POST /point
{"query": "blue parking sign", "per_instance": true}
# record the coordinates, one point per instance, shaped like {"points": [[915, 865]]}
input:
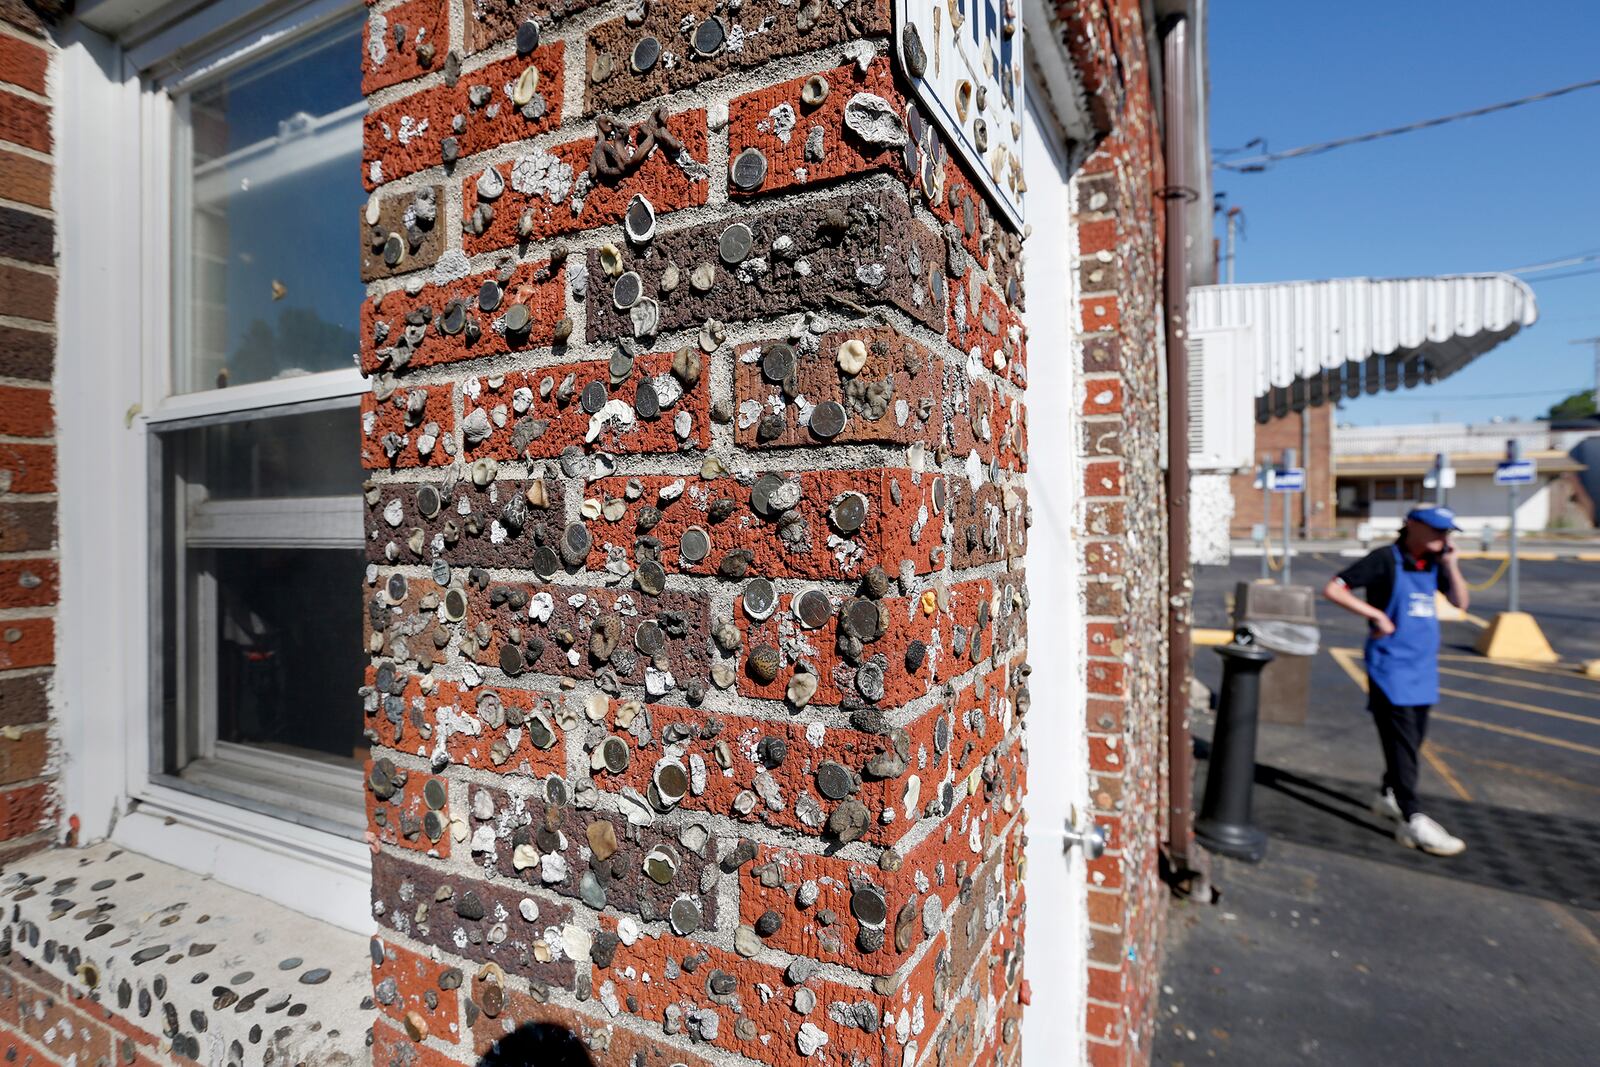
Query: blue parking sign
{"points": [[1515, 472], [1288, 480]]}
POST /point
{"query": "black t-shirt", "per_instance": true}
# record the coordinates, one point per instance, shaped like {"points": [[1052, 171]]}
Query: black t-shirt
{"points": [[1374, 572]]}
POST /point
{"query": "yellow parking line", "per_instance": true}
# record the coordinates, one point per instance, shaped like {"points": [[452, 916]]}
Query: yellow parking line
{"points": [[1437, 763], [1345, 657], [1560, 671], [1593, 692], [1588, 557], [1571, 716], [1575, 926], [1512, 731], [1517, 768]]}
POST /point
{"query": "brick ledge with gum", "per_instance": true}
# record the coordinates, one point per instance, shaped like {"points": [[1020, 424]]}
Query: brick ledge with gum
{"points": [[458, 913], [859, 1025], [766, 30], [896, 363], [805, 144], [379, 419], [935, 867], [404, 813], [750, 745], [901, 524], [454, 717], [858, 249], [406, 136], [414, 977], [494, 544], [553, 179], [982, 419], [533, 284], [684, 617], [945, 635], [568, 424], [552, 846]]}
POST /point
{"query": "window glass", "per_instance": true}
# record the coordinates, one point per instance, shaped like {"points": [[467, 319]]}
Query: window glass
{"points": [[268, 185], [261, 562], [287, 663], [295, 454], [262, 536]]}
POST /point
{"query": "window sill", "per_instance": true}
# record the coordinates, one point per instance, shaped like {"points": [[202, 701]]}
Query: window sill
{"points": [[215, 956], [306, 871]]}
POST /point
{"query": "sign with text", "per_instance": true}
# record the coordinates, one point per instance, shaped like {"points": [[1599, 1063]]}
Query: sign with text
{"points": [[1288, 480], [964, 60], [1516, 472]]}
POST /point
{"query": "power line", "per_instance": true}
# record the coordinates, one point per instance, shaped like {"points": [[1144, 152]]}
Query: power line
{"points": [[1570, 261], [1256, 164], [1568, 274], [1435, 399]]}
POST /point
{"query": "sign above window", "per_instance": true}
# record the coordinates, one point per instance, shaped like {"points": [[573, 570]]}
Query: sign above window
{"points": [[964, 59]]}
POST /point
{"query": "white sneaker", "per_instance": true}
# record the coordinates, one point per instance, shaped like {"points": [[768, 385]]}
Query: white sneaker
{"points": [[1422, 832], [1384, 806]]}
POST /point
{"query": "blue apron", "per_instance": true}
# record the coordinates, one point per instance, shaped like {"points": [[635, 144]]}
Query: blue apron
{"points": [[1405, 664]]}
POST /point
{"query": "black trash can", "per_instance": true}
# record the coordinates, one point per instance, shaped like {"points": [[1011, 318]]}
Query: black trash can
{"points": [[1283, 620]]}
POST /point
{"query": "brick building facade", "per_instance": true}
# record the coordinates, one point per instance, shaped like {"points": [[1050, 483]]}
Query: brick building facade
{"points": [[27, 423], [689, 541], [1313, 426]]}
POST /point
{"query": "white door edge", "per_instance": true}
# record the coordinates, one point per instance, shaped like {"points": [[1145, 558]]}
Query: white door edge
{"points": [[1057, 919]]}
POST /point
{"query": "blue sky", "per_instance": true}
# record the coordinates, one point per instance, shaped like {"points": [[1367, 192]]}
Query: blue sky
{"points": [[1493, 193]]}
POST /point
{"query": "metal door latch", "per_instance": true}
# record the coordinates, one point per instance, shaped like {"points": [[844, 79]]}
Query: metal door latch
{"points": [[1087, 836]]}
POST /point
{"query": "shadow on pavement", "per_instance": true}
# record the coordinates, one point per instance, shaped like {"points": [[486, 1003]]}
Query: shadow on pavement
{"points": [[1552, 857]]}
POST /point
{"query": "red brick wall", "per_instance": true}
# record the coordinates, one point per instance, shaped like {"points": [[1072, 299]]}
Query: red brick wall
{"points": [[609, 789], [1120, 226], [45, 1021], [28, 567], [1272, 437]]}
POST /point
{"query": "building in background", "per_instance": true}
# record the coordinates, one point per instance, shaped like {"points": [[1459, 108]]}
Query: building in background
{"points": [[1276, 358], [1380, 471], [515, 516]]}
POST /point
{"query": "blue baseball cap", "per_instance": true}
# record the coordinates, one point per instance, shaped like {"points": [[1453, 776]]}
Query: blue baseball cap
{"points": [[1442, 519]]}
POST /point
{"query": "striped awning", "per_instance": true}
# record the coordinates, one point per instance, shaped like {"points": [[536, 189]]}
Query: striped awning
{"points": [[1313, 342]]}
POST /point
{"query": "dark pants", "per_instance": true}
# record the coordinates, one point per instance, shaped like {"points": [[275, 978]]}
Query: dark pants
{"points": [[1400, 731]]}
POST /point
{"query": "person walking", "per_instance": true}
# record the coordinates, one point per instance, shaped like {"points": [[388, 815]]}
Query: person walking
{"points": [[1402, 657]]}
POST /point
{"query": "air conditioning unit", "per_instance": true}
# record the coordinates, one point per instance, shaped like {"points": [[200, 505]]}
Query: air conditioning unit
{"points": [[1222, 409]]}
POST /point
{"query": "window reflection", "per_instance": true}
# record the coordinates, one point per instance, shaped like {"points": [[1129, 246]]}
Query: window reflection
{"points": [[269, 169]]}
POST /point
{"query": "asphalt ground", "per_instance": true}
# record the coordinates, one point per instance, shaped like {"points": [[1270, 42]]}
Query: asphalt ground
{"points": [[1343, 947]]}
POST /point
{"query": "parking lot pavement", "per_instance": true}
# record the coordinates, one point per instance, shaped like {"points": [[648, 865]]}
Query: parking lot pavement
{"points": [[1342, 946]]}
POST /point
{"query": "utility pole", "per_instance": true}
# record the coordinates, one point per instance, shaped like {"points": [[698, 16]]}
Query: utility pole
{"points": [[1595, 341], [1288, 570], [1235, 217], [1513, 454], [1266, 517], [1305, 452]]}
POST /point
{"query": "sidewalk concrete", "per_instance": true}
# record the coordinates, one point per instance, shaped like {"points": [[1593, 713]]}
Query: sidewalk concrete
{"points": [[1343, 947]]}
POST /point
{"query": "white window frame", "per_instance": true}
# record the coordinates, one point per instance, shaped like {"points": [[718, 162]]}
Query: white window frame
{"points": [[114, 131]]}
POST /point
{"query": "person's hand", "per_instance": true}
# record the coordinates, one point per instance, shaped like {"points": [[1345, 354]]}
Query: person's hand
{"points": [[1383, 626]]}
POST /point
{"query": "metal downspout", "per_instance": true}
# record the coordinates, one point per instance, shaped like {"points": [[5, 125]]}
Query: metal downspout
{"points": [[1180, 587]]}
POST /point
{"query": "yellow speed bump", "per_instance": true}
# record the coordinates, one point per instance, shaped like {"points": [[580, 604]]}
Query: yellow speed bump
{"points": [[1514, 636]]}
